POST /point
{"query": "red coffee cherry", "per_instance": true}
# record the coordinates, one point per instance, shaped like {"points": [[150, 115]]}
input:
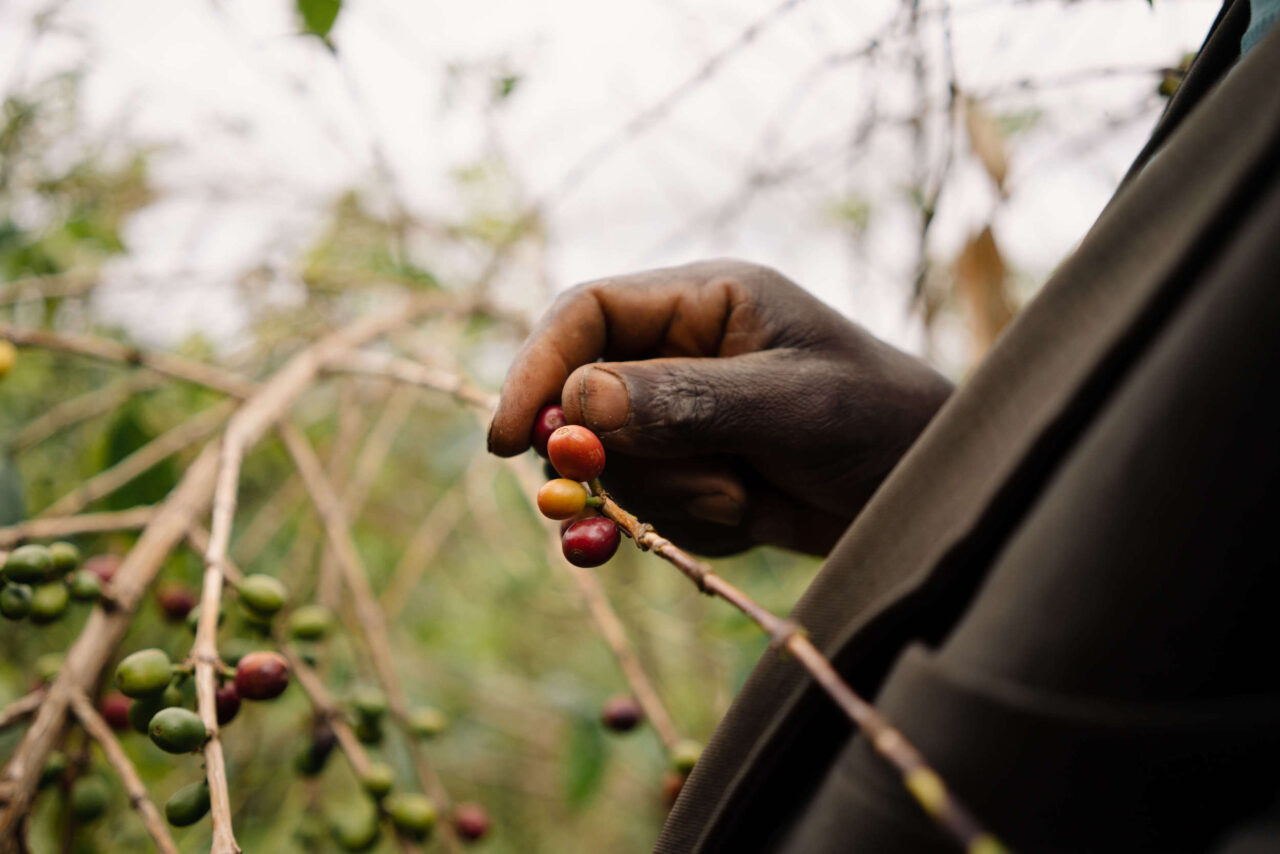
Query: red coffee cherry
{"points": [[561, 498], [550, 419], [568, 523], [471, 821], [176, 601], [262, 676], [621, 713], [576, 452], [103, 566], [227, 700], [590, 542], [114, 708]]}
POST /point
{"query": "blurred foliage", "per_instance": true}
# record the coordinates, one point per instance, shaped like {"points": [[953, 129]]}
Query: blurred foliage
{"points": [[493, 634]]}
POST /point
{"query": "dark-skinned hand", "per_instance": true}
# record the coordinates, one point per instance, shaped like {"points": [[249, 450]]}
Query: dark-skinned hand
{"points": [[737, 409]]}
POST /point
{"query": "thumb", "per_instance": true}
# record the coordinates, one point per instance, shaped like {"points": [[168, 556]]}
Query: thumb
{"points": [[681, 407]]}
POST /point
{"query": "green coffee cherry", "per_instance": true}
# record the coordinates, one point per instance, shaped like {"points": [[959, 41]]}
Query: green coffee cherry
{"points": [[49, 602], [427, 722], [48, 665], [54, 767], [685, 755], [28, 564], [176, 730], [369, 703], [15, 601], [262, 595], [310, 622], [89, 798], [144, 673], [142, 710], [85, 586], [412, 814], [368, 730], [357, 831], [188, 805], [378, 780], [173, 696], [64, 557]]}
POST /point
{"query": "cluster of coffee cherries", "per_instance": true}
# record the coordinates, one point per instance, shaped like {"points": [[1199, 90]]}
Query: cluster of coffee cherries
{"points": [[40, 582], [587, 538], [156, 696]]}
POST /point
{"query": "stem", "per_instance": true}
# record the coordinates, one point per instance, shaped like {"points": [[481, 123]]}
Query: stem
{"points": [[101, 733], [21, 709], [67, 526]]}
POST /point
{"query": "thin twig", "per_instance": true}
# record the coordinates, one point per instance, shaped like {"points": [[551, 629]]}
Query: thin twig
{"points": [[434, 529], [69, 526], [133, 786], [21, 709], [414, 373], [269, 519]]}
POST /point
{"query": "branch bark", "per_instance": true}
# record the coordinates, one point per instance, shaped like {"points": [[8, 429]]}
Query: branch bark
{"points": [[68, 526], [21, 709]]}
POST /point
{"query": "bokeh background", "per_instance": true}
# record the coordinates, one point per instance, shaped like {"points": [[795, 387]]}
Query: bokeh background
{"points": [[229, 179]]}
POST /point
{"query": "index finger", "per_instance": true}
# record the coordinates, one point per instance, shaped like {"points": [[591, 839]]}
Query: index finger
{"points": [[659, 312]]}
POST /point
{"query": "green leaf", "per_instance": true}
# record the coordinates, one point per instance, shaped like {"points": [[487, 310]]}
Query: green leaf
{"points": [[126, 434], [585, 759], [13, 508], [318, 15]]}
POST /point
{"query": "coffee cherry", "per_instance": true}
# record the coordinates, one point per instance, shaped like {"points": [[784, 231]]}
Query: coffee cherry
{"points": [[177, 730], [227, 701], [590, 542], [561, 498], [377, 780], [685, 755], [576, 452], [413, 815], [427, 722], [621, 713], [103, 566], [262, 675], [49, 602], [142, 710], [175, 600], [30, 564], [550, 419], [15, 601], [369, 703], [85, 586], [188, 805], [357, 831], [48, 665], [672, 784], [64, 556], [89, 798], [471, 821], [54, 767], [262, 595], [173, 695], [311, 759], [310, 622], [144, 673], [566, 524], [8, 358], [114, 709]]}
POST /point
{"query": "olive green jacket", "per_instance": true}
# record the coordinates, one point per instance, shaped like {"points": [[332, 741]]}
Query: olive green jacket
{"points": [[1064, 592]]}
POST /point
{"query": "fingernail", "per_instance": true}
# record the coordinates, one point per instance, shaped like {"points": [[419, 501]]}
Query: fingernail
{"points": [[718, 508], [605, 402]]}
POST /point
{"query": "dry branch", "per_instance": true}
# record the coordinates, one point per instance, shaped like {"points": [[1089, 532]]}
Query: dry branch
{"points": [[69, 526], [101, 733], [415, 373]]}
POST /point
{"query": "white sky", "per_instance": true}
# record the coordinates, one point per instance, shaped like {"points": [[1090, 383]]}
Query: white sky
{"points": [[258, 130]]}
